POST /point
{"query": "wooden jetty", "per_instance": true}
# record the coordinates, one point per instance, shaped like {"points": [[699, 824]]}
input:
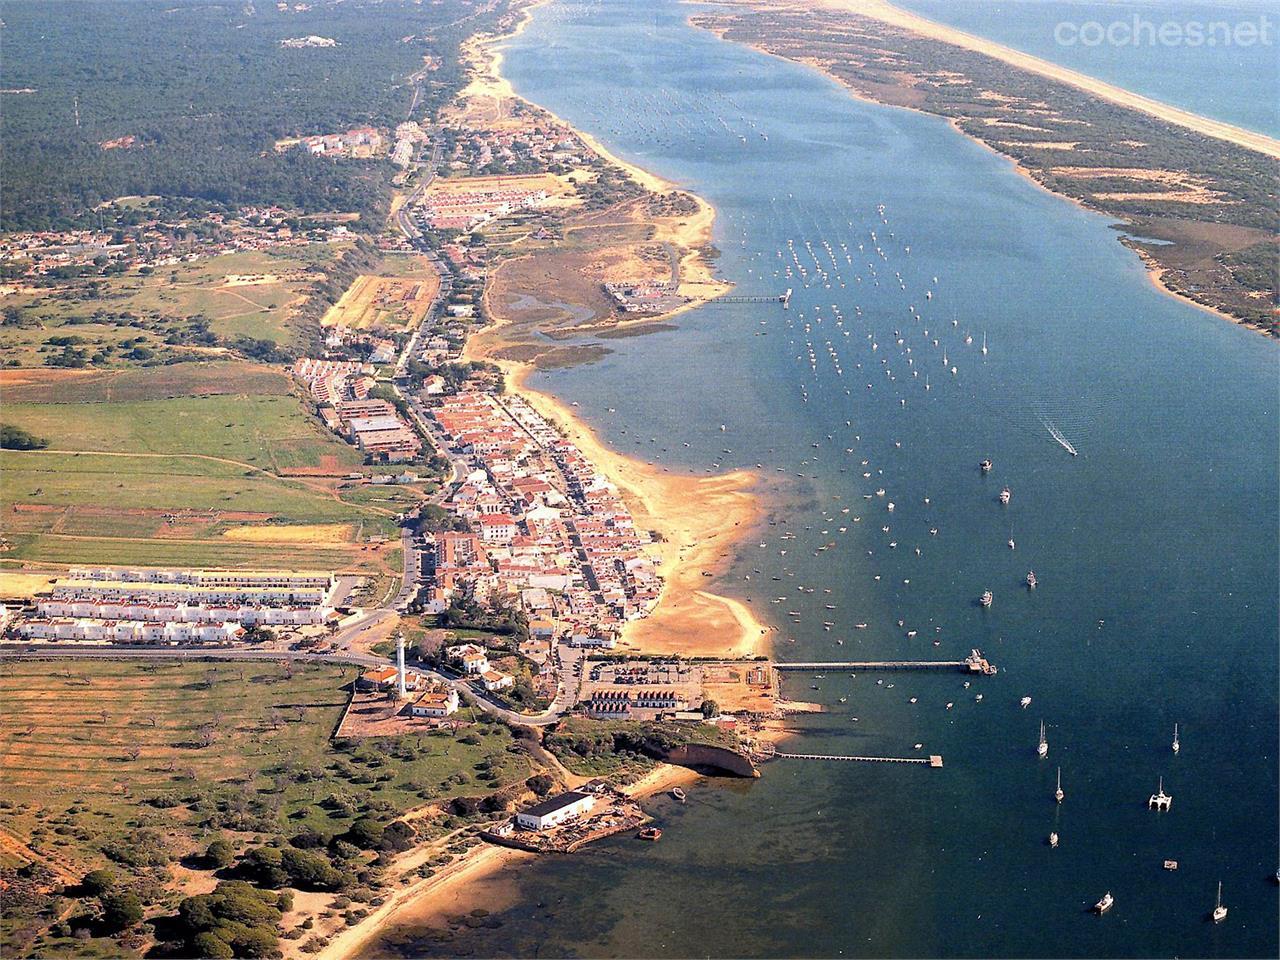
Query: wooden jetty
{"points": [[974, 663]]}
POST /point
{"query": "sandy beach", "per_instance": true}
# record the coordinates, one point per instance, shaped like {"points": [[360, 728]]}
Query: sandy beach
{"points": [[888, 13], [701, 520]]}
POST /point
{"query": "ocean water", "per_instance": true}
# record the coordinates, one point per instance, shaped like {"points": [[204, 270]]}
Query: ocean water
{"points": [[1156, 547], [1238, 82]]}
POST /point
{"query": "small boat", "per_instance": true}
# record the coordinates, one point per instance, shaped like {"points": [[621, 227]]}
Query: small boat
{"points": [[1025, 702], [985, 466], [1053, 839], [1006, 495], [1042, 748], [1176, 745], [1219, 911], [1105, 904], [1058, 794], [1031, 580], [1012, 545], [679, 794], [986, 598], [650, 833]]}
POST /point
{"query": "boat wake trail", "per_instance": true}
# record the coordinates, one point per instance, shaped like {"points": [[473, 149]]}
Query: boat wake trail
{"points": [[1057, 435]]}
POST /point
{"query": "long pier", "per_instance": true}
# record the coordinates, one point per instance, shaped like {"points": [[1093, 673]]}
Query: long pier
{"points": [[933, 760], [974, 663], [782, 298]]}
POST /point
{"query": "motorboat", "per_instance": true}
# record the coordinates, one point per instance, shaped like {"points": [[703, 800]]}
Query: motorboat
{"points": [[1042, 748], [1219, 911], [1105, 904]]}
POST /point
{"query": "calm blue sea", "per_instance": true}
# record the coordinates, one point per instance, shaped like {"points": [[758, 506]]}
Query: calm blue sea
{"points": [[1234, 75], [1155, 548]]}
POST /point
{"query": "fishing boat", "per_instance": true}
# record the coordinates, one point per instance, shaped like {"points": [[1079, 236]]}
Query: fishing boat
{"points": [[1053, 840], [1006, 495], [985, 466], [1105, 904], [1176, 745], [1160, 800], [1042, 748], [986, 599], [1058, 794], [679, 794], [1219, 911], [1031, 580], [652, 834]]}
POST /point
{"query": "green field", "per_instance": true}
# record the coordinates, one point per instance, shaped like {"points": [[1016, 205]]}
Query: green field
{"points": [[273, 433], [163, 483]]}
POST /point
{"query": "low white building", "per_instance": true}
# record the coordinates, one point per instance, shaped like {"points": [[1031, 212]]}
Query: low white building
{"points": [[556, 810], [469, 658], [495, 680], [437, 702]]}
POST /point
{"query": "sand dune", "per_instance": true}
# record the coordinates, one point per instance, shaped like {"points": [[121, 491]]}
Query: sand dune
{"points": [[888, 13]]}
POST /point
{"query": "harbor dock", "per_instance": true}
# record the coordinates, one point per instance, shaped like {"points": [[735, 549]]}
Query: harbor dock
{"points": [[974, 663]]}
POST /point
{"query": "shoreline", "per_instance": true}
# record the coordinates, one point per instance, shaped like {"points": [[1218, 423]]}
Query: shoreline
{"points": [[1154, 270], [463, 884], [888, 13], [701, 519]]}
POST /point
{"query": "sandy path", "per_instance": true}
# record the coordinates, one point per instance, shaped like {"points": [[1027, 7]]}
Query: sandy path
{"points": [[886, 12]]}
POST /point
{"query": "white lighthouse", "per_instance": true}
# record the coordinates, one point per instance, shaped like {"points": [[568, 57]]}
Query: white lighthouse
{"points": [[401, 691]]}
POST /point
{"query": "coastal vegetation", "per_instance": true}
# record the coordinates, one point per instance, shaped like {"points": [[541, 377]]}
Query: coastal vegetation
{"points": [[1200, 211], [626, 748]]}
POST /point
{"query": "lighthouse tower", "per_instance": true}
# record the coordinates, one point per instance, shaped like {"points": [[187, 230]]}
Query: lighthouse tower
{"points": [[401, 692]]}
